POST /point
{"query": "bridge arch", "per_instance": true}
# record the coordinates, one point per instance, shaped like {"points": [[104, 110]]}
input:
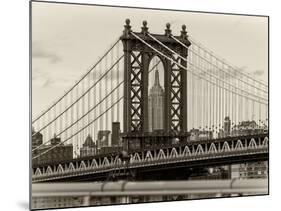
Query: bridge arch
{"points": [[239, 145], [186, 151], [252, 144], [265, 141], [199, 150], [60, 169], [225, 147], [212, 148], [94, 164], [173, 153], [49, 170], [38, 172], [71, 167], [136, 157], [105, 162], [82, 165], [161, 155], [148, 156]]}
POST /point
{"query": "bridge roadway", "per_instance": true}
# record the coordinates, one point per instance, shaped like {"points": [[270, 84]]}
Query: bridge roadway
{"points": [[158, 162]]}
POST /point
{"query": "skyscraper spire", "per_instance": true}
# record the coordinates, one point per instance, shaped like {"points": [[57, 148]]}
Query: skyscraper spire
{"points": [[156, 105], [156, 79]]}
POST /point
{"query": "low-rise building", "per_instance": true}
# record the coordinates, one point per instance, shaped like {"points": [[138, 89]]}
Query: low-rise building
{"points": [[49, 153], [198, 135], [88, 148]]}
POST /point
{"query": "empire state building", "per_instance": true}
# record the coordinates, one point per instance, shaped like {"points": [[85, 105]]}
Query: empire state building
{"points": [[156, 105]]}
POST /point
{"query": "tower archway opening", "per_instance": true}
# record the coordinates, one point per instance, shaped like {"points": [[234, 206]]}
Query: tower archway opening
{"points": [[156, 95]]}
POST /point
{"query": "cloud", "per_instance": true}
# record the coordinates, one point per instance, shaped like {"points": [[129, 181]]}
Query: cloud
{"points": [[48, 82], [258, 72], [219, 73], [40, 53], [95, 75]]}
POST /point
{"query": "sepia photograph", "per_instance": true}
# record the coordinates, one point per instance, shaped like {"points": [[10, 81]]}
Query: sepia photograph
{"points": [[135, 105]]}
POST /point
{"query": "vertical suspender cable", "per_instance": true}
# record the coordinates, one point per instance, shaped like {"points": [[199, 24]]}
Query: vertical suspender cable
{"points": [[55, 122], [92, 98], [223, 98], [118, 79], [210, 97], [217, 98], [112, 73], [66, 115], [61, 117], [193, 96], [82, 110], [186, 79], [259, 114], [220, 103], [106, 91], [77, 116], [213, 96], [72, 119], [100, 93], [89, 132], [199, 94]]}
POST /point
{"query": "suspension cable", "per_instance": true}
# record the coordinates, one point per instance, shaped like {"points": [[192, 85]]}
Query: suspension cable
{"points": [[78, 119], [81, 96], [198, 67], [222, 60], [105, 54], [246, 82], [78, 130], [173, 61], [73, 123]]}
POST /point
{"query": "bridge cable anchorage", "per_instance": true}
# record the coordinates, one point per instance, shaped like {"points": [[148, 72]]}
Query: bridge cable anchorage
{"points": [[173, 61], [246, 82], [67, 92], [81, 96], [200, 68], [77, 120], [200, 45]]}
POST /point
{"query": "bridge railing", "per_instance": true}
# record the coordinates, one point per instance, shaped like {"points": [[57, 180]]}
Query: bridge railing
{"points": [[88, 194]]}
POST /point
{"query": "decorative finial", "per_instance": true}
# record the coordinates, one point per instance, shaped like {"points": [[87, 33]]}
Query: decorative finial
{"points": [[183, 32], [127, 21], [144, 23], [168, 25], [168, 31], [144, 29], [183, 27], [127, 27]]}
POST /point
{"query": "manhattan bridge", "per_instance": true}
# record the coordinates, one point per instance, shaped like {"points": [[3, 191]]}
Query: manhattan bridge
{"points": [[213, 114]]}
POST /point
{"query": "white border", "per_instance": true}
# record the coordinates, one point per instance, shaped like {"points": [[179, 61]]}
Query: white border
{"points": [[14, 110]]}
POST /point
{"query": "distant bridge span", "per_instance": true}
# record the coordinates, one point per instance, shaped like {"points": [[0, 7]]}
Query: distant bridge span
{"points": [[194, 154]]}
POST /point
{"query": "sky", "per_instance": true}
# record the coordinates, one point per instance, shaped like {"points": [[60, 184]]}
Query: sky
{"points": [[68, 39]]}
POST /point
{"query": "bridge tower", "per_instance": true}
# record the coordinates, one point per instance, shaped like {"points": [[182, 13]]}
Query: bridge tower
{"points": [[137, 57]]}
